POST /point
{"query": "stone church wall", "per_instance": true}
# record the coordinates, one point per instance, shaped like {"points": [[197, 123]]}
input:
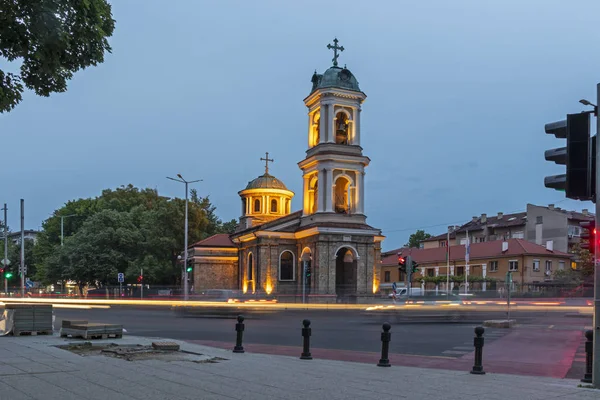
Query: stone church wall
{"points": [[215, 275]]}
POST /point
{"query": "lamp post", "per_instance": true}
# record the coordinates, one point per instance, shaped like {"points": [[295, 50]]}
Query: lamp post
{"points": [[185, 240], [62, 241]]}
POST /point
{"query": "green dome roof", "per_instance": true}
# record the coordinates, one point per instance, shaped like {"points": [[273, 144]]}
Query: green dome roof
{"points": [[335, 77], [266, 181]]}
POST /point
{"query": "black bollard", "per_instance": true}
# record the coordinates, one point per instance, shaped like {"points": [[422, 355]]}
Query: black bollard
{"points": [[589, 347], [478, 342], [306, 342], [386, 336], [239, 327]]}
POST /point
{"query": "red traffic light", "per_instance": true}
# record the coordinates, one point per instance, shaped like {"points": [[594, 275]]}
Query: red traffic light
{"points": [[140, 278], [588, 236], [401, 260]]}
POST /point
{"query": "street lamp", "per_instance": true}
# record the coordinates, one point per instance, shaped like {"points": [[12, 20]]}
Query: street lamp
{"points": [[62, 227], [185, 240]]}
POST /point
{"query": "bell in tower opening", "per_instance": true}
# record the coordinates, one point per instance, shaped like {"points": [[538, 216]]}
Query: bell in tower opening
{"points": [[341, 132]]}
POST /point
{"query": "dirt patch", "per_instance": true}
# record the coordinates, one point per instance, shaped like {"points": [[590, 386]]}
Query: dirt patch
{"points": [[137, 353]]}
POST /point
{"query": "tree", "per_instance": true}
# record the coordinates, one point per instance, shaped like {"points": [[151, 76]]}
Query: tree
{"points": [[416, 238], [54, 39], [155, 221], [105, 245]]}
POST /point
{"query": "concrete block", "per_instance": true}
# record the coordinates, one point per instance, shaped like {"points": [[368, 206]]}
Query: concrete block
{"points": [[500, 323]]}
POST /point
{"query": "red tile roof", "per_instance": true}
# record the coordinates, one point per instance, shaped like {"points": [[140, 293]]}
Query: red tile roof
{"points": [[516, 247], [218, 240]]}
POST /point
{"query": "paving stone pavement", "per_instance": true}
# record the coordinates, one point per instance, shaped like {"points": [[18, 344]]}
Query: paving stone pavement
{"points": [[34, 368]]}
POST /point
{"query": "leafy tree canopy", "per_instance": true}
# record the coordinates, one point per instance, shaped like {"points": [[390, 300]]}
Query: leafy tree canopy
{"points": [[53, 39], [123, 230], [416, 238]]}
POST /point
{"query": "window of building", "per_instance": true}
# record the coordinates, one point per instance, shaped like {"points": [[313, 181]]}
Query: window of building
{"points": [[513, 265], [493, 266], [250, 274], [561, 265], [430, 272], [548, 266], [536, 265], [386, 276], [518, 235], [538, 219], [286, 266], [257, 205], [273, 205], [460, 271], [478, 239], [574, 231], [443, 243]]}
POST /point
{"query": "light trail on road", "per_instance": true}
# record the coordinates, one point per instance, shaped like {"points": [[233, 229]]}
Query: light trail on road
{"points": [[479, 306]]}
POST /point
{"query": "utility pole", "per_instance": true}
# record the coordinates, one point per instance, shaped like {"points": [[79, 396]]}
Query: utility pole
{"points": [[5, 248], [22, 248], [596, 322]]}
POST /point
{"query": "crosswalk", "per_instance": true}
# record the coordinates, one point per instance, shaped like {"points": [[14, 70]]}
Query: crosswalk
{"points": [[467, 347]]}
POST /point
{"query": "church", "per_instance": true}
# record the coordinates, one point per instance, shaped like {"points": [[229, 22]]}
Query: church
{"points": [[326, 249]]}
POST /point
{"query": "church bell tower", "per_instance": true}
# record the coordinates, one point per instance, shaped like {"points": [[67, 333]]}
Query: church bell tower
{"points": [[334, 167]]}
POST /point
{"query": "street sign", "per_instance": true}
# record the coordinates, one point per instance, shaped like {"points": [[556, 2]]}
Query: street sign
{"points": [[394, 286], [28, 283], [7, 262], [121, 277]]}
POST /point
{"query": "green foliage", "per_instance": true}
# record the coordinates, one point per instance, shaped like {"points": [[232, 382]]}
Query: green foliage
{"points": [[123, 230], [54, 39], [568, 276], [416, 238], [585, 261]]}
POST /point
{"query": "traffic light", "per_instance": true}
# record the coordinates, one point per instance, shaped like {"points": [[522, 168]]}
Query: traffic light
{"points": [[189, 265], [140, 278], [414, 267], [579, 157], [401, 263], [8, 275], [308, 272], [411, 266], [588, 236]]}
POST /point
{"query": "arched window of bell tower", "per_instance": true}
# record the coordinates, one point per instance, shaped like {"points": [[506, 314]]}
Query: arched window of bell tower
{"points": [[342, 128], [342, 195], [315, 129], [313, 194]]}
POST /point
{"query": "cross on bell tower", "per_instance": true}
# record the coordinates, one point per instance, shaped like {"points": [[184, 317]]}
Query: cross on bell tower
{"points": [[335, 48], [266, 160]]}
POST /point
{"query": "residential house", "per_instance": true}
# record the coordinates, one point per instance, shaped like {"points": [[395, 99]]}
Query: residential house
{"points": [[529, 263], [539, 224]]}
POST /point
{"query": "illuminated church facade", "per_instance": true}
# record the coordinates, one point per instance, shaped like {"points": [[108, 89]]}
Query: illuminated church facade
{"points": [[326, 246]]}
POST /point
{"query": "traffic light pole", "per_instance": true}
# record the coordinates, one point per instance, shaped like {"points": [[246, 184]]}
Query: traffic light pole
{"points": [[596, 322], [22, 248], [5, 249]]}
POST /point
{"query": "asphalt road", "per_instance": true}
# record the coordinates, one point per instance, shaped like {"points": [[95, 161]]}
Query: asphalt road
{"points": [[330, 330]]}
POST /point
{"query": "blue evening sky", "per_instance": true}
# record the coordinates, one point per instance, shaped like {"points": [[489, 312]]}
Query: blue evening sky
{"points": [[458, 95]]}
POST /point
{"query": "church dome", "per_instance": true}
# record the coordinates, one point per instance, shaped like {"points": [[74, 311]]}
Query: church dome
{"points": [[266, 181], [335, 77]]}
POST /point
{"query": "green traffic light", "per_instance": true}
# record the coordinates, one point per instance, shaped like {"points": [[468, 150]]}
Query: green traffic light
{"points": [[8, 275], [189, 269]]}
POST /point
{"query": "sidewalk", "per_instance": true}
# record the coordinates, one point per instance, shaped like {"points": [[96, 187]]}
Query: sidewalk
{"points": [[32, 368]]}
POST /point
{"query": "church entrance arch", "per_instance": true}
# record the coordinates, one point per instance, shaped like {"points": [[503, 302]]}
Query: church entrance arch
{"points": [[345, 272]]}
